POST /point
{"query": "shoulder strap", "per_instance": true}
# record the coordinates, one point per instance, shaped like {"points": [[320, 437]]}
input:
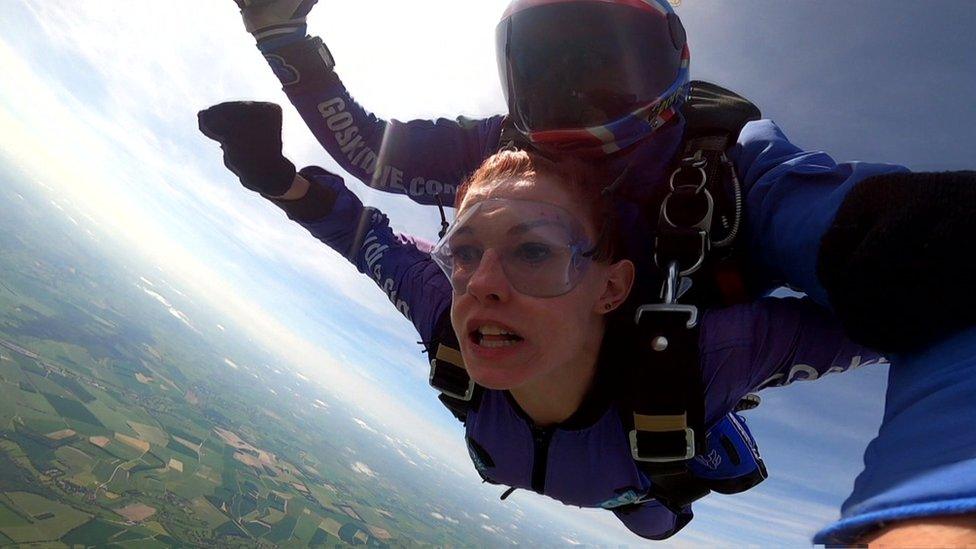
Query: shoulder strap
{"points": [[712, 110], [663, 392], [512, 139], [447, 374]]}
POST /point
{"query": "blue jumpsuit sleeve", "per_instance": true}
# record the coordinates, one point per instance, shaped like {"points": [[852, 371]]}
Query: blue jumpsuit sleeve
{"points": [[791, 199], [400, 265], [923, 461], [771, 342], [425, 160]]}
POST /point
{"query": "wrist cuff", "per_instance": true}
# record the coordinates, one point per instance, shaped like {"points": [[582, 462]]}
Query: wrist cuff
{"points": [[315, 205], [305, 62], [268, 43]]}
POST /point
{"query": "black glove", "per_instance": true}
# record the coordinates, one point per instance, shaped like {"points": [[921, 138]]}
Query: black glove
{"points": [[249, 133], [899, 261]]}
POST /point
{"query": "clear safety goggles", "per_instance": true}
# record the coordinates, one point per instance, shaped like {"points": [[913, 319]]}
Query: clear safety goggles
{"points": [[542, 249]]}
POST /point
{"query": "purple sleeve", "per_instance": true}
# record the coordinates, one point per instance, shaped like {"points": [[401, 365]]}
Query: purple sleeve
{"points": [[401, 265], [422, 159], [771, 343]]}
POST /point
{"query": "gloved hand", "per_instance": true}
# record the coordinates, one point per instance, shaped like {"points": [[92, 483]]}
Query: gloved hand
{"points": [[250, 135], [267, 19]]}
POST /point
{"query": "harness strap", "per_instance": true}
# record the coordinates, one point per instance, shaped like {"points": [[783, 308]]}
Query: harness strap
{"points": [[447, 373], [663, 392]]}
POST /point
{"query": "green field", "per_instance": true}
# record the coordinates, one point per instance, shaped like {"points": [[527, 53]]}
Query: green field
{"points": [[72, 386], [62, 518], [45, 385], [130, 535], [43, 425], [76, 460], [8, 517], [93, 532]]}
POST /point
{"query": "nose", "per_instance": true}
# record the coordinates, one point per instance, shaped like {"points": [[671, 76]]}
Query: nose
{"points": [[489, 283]]}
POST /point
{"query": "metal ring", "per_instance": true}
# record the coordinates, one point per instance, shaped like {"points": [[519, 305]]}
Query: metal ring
{"points": [[696, 161], [699, 187], [702, 223]]}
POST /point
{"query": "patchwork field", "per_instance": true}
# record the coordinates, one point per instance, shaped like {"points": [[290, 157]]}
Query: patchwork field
{"points": [[121, 426], [42, 519]]}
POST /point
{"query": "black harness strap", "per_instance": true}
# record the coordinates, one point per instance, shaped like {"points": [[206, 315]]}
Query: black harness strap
{"points": [[664, 394], [447, 374]]}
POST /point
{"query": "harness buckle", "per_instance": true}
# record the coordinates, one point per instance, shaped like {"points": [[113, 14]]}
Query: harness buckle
{"points": [[689, 450], [669, 308], [448, 375]]}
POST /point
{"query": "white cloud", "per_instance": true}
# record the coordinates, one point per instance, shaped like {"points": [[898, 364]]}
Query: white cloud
{"points": [[365, 425], [363, 469], [170, 308]]}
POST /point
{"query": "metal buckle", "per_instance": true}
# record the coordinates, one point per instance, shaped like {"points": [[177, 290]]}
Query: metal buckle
{"points": [[466, 396], [689, 449], [690, 310]]}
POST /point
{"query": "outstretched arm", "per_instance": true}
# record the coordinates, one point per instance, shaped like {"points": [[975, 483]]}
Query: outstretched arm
{"points": [[400, 265], [771, 343], [919, 475], [791, 199], [250, 135], [425, 160], [880, 245]]}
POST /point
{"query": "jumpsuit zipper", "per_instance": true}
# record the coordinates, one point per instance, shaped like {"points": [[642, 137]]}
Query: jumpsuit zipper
{"points": [[540, 457]]}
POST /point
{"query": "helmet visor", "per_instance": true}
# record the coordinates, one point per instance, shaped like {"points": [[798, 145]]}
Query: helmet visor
{"points": [[541, 248], [584, 63]]}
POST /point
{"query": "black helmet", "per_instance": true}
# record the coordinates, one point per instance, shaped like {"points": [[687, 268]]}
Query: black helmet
{"points": [[591, 75]]}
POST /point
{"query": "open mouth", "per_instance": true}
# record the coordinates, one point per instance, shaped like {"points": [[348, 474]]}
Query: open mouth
{"points": [[493, 336]]}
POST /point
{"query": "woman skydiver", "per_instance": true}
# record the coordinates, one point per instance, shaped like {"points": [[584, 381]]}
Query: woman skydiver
{"points": [[792, 198], [534, 264]]}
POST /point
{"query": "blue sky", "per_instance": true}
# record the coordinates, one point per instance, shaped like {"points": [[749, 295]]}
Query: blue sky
{"points": [[98, 102]]}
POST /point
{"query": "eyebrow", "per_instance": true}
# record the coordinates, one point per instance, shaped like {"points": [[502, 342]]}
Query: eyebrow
{"points": [[526, 227], [517, 229]]}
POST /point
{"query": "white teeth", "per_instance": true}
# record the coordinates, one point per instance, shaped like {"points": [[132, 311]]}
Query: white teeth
{"points": [[492, 329], [502, 343]]}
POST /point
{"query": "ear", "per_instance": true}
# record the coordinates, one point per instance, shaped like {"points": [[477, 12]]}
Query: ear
{"points": [[619, 281]]}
